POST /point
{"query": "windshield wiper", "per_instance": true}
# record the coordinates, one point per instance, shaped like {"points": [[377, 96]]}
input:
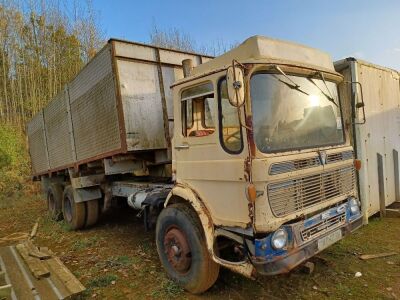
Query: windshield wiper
{"points": [[293, 85], [329, 97]]}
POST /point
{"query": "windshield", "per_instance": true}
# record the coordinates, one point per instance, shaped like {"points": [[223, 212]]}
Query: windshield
{"points": [[288, 117]]}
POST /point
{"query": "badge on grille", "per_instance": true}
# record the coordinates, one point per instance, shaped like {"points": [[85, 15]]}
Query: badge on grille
{"points": [[322, 157]]}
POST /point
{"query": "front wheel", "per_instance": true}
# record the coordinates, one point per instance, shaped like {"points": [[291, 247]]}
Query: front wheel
{"points": [[182, 249]]}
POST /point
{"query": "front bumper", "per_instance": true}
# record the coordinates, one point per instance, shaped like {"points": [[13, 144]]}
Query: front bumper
{"points": [[302, 245]]}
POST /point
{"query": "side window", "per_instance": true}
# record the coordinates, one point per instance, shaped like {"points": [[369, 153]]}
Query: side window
{"points": [[198, 111], [229, 126]]}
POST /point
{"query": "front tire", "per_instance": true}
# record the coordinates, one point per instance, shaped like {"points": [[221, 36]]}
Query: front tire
{"points": [[182, 249]]}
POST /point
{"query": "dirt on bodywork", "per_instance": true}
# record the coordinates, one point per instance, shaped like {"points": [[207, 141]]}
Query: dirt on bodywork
{"points": [[117, 259]]}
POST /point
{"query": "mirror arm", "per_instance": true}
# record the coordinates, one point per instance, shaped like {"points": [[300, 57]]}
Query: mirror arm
{"points": [[234, 63], [359, 104]]}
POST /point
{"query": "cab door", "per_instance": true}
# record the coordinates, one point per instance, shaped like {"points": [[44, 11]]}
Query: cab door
{"points": [[208, 152]]}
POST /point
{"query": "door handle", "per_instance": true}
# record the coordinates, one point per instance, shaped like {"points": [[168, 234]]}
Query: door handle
{"points": [[184, 146]]}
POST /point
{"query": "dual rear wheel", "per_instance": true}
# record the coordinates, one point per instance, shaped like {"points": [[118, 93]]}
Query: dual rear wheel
{"points": [[61, 205]]}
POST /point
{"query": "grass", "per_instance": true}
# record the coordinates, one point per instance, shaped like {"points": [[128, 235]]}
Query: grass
{"points": [[85, 243], [119, 250], [102, 281]]}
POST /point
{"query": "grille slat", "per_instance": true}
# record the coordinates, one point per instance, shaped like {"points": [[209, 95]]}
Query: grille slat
{"points": [[293, 165], [299, 164], [293, 195], [323, 226], [340, 156]]}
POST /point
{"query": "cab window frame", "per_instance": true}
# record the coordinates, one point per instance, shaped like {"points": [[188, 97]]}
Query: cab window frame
{"points": [[193, 98]]}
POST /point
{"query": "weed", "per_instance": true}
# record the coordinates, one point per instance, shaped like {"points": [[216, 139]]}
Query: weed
{"points": [[169, 288], [116, 262], [85, 243], [101, 281]]}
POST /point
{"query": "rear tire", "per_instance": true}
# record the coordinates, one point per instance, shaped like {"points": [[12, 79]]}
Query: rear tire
{"points": [[54, 201], [182, 249], [74, 213], [92, 210]]}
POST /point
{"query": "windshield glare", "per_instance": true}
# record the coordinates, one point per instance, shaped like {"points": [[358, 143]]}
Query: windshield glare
{"points": [[285, 118]]}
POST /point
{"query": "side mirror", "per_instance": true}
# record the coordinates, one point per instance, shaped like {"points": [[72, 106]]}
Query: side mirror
{"points": [[235, 84]]}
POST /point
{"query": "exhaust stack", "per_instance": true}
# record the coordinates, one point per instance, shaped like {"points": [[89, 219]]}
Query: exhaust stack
{"points": [[187, 65]]}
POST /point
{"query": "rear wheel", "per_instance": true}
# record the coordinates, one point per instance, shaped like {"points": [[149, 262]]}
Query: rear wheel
{"points": [[92, 210], [182, 249], [74, 213], [54, 201]]}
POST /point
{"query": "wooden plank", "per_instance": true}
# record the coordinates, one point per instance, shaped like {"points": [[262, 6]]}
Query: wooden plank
{"points": [[36, 266], [35, 252], [371, 256], [34, 230], [5, 291], [58, 269]]}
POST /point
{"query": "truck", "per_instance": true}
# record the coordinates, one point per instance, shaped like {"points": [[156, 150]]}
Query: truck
{"points": [[243, 161]]}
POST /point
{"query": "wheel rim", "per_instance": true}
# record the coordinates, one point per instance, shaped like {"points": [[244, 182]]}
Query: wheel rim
{"points": [[67, 209], [51, 202], [177, 250]]}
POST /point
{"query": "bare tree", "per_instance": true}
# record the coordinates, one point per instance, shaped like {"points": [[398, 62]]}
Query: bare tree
{"points": [[41, 48], [174, 38]]}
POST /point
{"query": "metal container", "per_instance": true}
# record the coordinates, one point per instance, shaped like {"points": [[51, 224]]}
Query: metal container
{"points": [[377, 142], [119, 102]]}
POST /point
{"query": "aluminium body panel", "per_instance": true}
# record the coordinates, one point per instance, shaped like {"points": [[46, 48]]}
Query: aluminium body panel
{"points": [[38, 144], [56, 119], [145, 74], [93, 101], [379, 137], [119, 102]]}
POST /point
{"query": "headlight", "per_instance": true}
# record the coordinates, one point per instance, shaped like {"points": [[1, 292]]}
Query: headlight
{"points": [[354, 206], [279, 239]]}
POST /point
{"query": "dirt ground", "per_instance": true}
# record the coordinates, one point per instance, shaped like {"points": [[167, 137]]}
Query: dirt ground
{"points": [[118, 260]]}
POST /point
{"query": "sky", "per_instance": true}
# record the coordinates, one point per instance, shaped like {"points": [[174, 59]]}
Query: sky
{"points": [[369, 30]]}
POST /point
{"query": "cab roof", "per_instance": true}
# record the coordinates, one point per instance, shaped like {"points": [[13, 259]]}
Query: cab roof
{"points": [[262, 49]]}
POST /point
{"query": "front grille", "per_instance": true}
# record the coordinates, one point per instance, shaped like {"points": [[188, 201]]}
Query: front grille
{"points": [[297, 194], [323, 227], [293, 165], [340, 156]]}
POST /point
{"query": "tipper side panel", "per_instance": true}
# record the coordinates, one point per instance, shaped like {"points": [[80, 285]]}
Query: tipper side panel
{"points": [[58, 134], [145, 75], [38, 144], [94, 108]]}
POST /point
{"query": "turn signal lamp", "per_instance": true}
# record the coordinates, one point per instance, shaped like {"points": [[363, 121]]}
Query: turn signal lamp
{"points": [[357, 164], [251, 193]]}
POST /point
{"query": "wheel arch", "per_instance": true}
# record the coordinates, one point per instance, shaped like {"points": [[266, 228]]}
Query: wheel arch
{"points": [[184, 194]]}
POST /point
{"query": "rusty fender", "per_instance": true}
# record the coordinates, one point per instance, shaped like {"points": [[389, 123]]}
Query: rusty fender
{"points": [[186, 193]]}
